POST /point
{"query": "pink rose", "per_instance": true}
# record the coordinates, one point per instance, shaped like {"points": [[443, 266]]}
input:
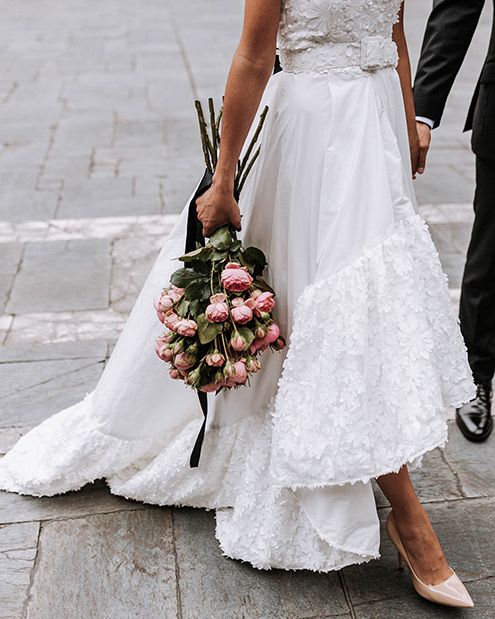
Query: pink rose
{"points": [[170, 320], [175, 293], [218, 310], [215, 359], [272, 333], [236, 278], [265, 302], [186, 328], [240, 372], [256, 293], [174, 373], [238, 343], [184, 361], [241, 314], [165, 303]]}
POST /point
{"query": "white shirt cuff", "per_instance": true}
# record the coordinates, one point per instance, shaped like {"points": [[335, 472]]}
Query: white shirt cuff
{"points": [[426, 121]]}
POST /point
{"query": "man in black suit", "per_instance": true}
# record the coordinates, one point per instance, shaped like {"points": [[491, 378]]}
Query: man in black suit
{"points": [[448, 34]]}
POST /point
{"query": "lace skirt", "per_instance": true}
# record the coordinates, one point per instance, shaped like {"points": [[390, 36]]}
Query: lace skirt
{"points": [[375, 354]]}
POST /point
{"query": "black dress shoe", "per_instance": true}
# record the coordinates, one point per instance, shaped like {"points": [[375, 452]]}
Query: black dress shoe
{"points": [[475, 418]]}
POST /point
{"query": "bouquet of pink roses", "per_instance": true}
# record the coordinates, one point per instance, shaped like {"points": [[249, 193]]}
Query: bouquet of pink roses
{"points": [[218, 308], [218, 312]]}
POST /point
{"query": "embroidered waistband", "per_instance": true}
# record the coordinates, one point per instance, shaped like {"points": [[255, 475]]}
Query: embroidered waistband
{"points": [[369, 54]]}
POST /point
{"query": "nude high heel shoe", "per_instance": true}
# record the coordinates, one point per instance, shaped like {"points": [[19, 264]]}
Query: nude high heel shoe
{"points": [[450, 592]]}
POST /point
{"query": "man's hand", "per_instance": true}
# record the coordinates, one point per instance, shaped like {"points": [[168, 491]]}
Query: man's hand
{"points": [[424, 136]]}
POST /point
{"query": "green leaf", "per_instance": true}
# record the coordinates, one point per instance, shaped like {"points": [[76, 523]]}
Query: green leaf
{"points": [[196, 289], [207, 330], [260, 283], [182, 307], [194, 308], [218, 256], [235, 247], [182, 277], [221, 239], [252, 256], [202, 254], [247, 334]]}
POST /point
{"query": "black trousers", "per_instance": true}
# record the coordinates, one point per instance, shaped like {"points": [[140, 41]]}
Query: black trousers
{"points": [[477, 312]]}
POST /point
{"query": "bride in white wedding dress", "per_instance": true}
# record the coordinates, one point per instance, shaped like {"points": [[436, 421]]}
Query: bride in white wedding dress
{"points": [[374, 357]]}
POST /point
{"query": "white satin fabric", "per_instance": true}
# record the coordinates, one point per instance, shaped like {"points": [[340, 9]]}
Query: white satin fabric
{"points": [[374, 356]]}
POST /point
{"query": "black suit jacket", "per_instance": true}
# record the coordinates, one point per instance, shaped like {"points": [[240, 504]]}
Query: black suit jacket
{"points": [[449, 31]]}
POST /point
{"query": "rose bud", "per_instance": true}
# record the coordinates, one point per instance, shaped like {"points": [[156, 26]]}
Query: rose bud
{"points": [[265, 302], [253, 365], [165, 338], [260, 332], [272, 333], [238, 343], [170, 320], [235, 278], [174, 373], [241, 314], [215, 359], [240, 372], [193, 376], [229, 370], [192, 349], [178, 347], [186, 328], [218, 310], [164, 352], [183, 361], [279, 344]]}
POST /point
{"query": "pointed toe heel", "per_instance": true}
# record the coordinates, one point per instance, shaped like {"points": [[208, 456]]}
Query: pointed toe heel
{"points": [[450, 592]]}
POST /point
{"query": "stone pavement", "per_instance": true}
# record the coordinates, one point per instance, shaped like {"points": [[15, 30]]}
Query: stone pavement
{"points": [[98, 152]]}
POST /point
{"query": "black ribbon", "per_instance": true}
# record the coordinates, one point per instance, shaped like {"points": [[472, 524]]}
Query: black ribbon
{"points": [[195, 235]]}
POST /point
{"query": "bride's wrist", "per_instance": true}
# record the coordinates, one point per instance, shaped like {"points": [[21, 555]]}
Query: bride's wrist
{"points": [[224, 180]]}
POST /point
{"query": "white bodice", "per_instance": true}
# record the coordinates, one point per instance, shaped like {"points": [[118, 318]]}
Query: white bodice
{"points": [[319, 35]]}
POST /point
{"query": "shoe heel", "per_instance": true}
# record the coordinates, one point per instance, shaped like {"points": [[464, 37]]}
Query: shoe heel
{"points": [[400, 560]]}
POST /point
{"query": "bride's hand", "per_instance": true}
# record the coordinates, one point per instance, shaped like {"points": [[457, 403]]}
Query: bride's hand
{"points": [[414, 150], [217, 207]]}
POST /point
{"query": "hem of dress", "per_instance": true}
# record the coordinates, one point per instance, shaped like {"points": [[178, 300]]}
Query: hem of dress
{"points": [[363, 558], [414, 460]]}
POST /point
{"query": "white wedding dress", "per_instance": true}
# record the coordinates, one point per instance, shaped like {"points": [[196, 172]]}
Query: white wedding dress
{"points": [[375, 353]]}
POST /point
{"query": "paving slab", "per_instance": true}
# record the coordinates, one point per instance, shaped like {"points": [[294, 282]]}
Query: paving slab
{"points": [[92, 499], [18, 544], [54, 327], [465, 530], [32, 391], [123, 565], [132, 261], [21, 204], [474, 464], [230, 588], [33, 351], [61, 276], [434, 482]]}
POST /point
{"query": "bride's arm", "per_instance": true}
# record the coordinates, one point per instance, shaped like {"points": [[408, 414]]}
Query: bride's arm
{"points": [[250, 70], [404, 71]]}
